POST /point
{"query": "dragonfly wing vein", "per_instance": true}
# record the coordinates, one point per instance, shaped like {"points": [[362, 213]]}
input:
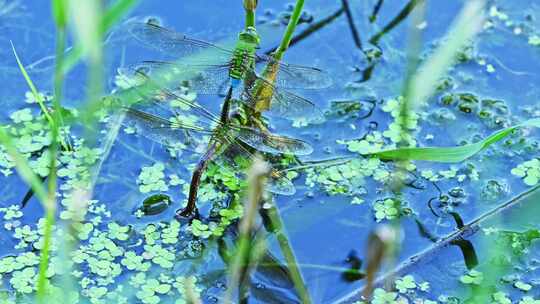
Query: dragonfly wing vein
{"points": [[291, 76], [171, 42]]}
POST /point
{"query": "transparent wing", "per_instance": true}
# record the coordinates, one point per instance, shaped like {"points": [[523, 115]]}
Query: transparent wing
{"points": [[201, 78], [277, 182], [290, 76], [173, 43], [270, 143], [277, 102], [160, 129], [159, 97]]}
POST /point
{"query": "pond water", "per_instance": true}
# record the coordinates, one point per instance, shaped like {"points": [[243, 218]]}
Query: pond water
{"points": [[122, 255]]}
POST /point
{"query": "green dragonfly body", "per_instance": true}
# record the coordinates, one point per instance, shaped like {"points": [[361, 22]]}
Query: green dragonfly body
{"points": [[243, 59], [211, 69]]}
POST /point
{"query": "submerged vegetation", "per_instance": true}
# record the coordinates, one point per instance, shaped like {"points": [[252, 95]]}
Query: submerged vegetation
{"points": [[415, 183]]}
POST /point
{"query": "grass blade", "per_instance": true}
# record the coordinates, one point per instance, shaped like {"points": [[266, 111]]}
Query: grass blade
{"points": [[22, 166], [110, 17], [38, 98], [451, 154], [468, 23]]}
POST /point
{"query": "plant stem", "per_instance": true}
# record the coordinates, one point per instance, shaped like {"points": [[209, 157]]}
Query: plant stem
{"points": [[33, 88], [239, 266], [288, 254], [290, 30], [50, 206], [110, 17], [352, 26], [250, 18], [250, 6]]}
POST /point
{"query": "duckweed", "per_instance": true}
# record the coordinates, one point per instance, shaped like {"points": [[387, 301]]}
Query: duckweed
{"points": [[134, 262], [529, 171], [24, 280], [118, 232], [529, 300], [389, 209], [501, 298], [152, 179], [403, 285], [410, 122], [11, 212], [522, 286], [473, 277], [348, 178], [159, 255], [381, 296]]}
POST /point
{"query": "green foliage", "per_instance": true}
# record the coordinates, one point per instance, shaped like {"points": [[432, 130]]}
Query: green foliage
{"points": [[388, 209], [11, 212], [152, 179], [60, 9], [529, 171], [37, 96], [132, 261], [395, 132], [118, 232], [349, 177], [406, 283], [529, 300], [501, 298], [474, 277], [380, 296], [522, 286], [451, 154]]}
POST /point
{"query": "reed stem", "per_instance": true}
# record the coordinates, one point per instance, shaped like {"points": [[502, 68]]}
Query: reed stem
{"points": [[50, 206], [287, 37], [250, 6]]}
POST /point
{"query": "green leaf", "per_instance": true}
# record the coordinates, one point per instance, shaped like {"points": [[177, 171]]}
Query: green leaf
{"points": [[451, 154], [37, 96]]}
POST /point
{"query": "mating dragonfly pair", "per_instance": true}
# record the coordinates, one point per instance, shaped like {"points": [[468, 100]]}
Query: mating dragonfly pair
{"points": [[211, 69]]}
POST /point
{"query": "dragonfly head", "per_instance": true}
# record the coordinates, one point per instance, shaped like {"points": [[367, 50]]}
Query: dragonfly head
{"points": [[249, 35]]}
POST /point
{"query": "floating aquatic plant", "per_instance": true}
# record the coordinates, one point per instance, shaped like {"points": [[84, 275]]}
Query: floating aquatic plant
{"points": [[529, 171]]}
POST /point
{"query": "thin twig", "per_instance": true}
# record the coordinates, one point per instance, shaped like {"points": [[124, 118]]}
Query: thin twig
{"points": [[352, 26], [397, 20]]}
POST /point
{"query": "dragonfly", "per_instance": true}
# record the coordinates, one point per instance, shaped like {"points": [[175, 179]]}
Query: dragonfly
{"points": [[220, 68], [188, 125]]}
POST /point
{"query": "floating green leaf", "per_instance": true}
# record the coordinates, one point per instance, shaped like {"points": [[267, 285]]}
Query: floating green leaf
{"points": [[451, 154]]}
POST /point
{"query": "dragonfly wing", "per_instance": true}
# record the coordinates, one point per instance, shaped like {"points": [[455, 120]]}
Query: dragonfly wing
{"points": [[282, 103], [155, 128], [273, 144], [291, 76], [279, 184], [201, 78], [160, 97], [294, 106], [173, 43]]}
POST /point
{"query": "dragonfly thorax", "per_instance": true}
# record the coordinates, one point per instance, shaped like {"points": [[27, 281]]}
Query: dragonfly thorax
{"points": [[244, 53], [243, 60]]}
